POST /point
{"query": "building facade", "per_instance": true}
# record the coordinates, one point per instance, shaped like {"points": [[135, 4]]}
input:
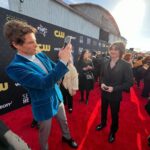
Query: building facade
{"points": [[85, 18]]}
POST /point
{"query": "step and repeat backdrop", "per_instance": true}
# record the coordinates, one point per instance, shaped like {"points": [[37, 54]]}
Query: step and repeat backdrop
{"points": [[50, 39]]}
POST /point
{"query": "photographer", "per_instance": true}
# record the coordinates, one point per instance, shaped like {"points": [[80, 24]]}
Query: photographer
{"points": [[39, 75]]}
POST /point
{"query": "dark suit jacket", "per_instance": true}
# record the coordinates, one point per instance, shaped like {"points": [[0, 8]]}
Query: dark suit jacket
{"points": [[120, 78], [42, 87]]}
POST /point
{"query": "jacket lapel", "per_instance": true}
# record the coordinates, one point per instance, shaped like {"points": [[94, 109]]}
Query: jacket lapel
{"points": [[33, 65], [46, 64]]}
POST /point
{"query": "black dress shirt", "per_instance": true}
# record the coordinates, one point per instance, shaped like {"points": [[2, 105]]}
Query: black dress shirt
{"points": [[120, 77]]}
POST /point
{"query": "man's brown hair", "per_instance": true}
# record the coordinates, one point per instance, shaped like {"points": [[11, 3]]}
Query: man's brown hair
{"points": [[15, 30], [120, 46]]}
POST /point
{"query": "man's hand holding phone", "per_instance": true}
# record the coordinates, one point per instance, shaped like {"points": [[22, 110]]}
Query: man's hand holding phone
{"points": [[65, 53]]}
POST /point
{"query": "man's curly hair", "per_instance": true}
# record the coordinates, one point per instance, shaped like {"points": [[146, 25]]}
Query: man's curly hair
{"points": [[14, 31]]}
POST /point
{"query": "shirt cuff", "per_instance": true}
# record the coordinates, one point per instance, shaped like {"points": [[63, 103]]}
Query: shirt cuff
{"points": [[65, 63]]}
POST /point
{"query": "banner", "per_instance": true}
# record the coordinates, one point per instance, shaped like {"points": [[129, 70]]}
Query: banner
{"points": [[50, 39]]}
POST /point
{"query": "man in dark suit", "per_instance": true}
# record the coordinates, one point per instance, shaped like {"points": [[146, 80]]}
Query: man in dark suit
{"points": [[116, 77], [39, 75]]}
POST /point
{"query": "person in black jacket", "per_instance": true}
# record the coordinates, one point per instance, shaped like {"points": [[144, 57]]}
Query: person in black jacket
{"points": [[86, 79], [146, 76], [116, 77]]}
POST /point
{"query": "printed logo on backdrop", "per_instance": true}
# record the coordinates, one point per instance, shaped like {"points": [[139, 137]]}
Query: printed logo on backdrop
{"points": [[43, 47], [10, 17], [59, 34], [6, 105], [3, 86], [17, 84], [81, 39], [88, 41], [25, 98], [57, 49], [42, 30]]}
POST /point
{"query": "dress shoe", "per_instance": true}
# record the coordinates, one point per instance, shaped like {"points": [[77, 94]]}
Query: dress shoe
{"points": [[70, 142], [34, 124], [111, 137], [100, 127]]}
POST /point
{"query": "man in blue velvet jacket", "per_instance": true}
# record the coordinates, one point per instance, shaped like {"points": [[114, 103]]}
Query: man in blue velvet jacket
{"points": [[39, 75]]}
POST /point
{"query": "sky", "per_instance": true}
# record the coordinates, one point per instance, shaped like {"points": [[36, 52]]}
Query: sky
{"points": [[4, 3], [132, 17]]}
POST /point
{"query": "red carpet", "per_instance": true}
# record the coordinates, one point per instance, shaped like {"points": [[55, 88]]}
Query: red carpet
{"points": [[132, 134]]}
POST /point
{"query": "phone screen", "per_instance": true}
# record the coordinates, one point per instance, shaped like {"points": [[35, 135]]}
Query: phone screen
{"points": [[67, 40]]}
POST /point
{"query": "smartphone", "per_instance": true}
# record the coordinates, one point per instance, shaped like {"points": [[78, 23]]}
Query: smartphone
{"points": [[67, 40]]}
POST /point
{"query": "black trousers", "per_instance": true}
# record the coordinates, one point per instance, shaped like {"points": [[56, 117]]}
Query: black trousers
{"points": [[146, 89], [114, 107], [68, 99], [87, 94]]}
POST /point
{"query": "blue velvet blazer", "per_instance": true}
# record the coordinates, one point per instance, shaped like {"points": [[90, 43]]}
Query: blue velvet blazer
{"points": [[42, 87]]}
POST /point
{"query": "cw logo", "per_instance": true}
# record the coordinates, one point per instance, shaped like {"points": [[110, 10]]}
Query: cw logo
{"points": [[3, 86], [43, 47], [59, 34]]}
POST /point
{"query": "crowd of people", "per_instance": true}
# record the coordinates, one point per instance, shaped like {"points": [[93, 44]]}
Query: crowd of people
{"points": [[55, 84]]}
